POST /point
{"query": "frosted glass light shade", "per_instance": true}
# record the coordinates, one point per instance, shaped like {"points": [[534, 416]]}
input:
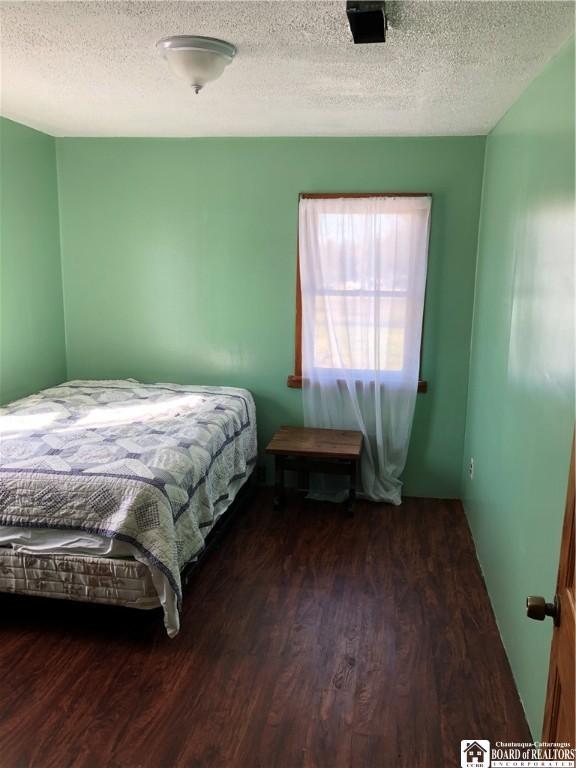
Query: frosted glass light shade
{"points": [[198, 60]]}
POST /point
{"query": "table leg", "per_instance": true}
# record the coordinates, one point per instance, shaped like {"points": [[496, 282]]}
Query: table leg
{"points": [[279, 483], [304, 480], [352, 491]]}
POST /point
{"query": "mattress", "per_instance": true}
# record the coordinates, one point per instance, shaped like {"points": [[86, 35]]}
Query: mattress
{"points": [[148, 468], [84, 578]]}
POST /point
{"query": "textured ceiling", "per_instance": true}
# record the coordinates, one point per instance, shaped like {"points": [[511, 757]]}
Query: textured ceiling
{"points": [[91, 69]]}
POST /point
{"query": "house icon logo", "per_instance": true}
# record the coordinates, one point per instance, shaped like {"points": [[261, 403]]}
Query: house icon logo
{"points": [[475, 753]]}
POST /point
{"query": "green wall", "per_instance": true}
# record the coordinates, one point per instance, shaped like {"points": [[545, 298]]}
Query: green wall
{"points": [[521, 392], [32, 350], [179, 260]]}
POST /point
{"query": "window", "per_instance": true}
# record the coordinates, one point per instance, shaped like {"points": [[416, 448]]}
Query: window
{"points": [[363, 258]]}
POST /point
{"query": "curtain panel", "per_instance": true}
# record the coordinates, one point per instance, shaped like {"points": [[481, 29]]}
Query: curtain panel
{"points": [[363, 267]]}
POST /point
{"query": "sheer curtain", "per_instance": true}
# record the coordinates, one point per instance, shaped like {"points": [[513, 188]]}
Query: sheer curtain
{"points": [[363, 274]]}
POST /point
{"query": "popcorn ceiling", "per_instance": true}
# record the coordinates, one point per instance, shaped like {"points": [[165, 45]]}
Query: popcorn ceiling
{"points": [[447, 68]]}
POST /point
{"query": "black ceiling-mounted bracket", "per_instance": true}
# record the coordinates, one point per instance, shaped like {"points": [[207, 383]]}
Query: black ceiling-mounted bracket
{"points": [[368, 22]]}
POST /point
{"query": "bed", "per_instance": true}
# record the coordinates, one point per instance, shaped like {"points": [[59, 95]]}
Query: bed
{"points": [[110, 489]]}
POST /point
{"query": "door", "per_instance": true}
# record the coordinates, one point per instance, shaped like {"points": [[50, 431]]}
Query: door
{"points": [[559, 713]]}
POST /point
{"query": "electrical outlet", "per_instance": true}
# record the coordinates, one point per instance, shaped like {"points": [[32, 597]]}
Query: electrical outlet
{"points": [[471, 468]]}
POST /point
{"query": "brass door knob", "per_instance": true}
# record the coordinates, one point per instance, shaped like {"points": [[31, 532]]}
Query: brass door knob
{"points": [[537, 608]]}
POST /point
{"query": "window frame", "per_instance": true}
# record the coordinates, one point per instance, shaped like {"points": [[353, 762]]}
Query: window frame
{"points": [[295, 379]]}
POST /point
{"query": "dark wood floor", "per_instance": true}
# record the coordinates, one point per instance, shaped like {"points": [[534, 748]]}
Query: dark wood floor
{"points": [[308, 640]]}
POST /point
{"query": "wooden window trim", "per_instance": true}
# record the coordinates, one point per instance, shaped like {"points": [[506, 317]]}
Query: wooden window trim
{"points": [[295, 379]]}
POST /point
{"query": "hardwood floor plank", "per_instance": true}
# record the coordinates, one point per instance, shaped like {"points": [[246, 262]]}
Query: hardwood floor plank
{"points": [[308, 640]]}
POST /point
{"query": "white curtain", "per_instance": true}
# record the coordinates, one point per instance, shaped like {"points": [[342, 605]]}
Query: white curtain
{"points": [[363, 275]]}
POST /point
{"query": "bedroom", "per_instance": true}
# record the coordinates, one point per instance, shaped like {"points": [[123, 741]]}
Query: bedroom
{"points": [[154, 236]]}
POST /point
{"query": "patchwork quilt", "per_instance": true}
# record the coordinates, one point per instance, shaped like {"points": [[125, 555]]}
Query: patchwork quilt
{"points": [[146, 464]]}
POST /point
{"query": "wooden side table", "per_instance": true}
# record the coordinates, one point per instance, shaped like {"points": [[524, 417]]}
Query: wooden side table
{"points": [[305, 450]]}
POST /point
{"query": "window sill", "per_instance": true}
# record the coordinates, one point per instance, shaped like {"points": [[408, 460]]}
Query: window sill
{"points": [[295, 382]]}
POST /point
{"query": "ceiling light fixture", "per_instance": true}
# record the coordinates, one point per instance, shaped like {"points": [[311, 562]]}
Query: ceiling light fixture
{"points": [[198, 60]]}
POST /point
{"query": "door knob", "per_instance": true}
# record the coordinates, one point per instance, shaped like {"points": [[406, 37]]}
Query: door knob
{"points": [[537, 608]]}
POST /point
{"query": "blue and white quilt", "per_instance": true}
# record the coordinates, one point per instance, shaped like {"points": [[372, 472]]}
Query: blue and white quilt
{"points": [[145, 464]]}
